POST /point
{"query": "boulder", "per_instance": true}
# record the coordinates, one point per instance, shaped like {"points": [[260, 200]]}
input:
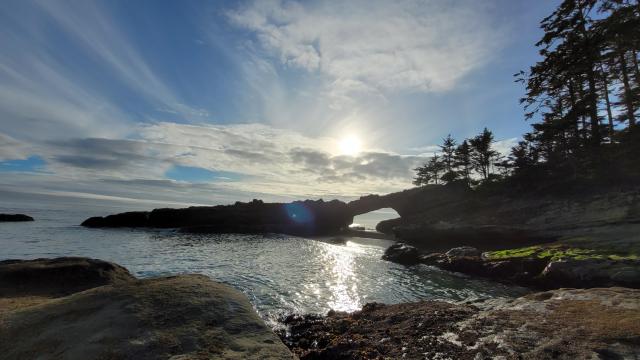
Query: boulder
{"points": [[59, 276], [178, 317], [402, 254], [387, 226], [15, 217]]}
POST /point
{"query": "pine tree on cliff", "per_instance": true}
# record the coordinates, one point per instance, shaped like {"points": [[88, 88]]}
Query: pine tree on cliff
{"points": [[429, 172], [462, 159], [448, 149], [620, 29], [569, 29], [588, 74], [483, 155]]}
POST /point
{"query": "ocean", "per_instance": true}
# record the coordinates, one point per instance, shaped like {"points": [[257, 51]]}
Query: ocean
{"points": [[280, 274]]}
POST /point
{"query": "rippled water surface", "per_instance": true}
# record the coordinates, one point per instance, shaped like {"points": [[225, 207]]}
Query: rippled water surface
{"points": [[279, 273]]}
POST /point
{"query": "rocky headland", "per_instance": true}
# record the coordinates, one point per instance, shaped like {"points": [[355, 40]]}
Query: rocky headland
{"points": [[79, 308], [296, 218], [544, 242], [576, 239], [15, 217]]}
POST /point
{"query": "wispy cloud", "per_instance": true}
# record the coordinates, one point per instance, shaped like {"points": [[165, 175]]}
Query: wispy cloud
{"points": [[374, 47]]}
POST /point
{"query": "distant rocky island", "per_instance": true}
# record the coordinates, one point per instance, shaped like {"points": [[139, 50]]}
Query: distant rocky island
{"points": [[15, 217]]}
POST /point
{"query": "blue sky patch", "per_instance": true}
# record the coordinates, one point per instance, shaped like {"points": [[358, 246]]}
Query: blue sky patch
{"points": [[31, 164], [197, 174]]}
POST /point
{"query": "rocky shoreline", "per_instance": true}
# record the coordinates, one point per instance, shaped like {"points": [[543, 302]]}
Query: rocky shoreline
{"points": [[601, 323], [588, 242], [89, 308], [549, 266]]}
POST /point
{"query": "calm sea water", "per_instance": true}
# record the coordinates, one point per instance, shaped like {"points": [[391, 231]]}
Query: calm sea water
{"points": [[280, 274]]}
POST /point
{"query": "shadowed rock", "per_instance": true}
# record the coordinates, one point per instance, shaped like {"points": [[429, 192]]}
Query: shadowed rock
{"points": [[60, 276], [438, 218], [402, 254], [296, 218], [15, 217], [541, 269]]}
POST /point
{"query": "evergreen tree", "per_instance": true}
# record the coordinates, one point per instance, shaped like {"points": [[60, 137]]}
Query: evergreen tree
{"points": [[482, 155], [462, 157], [429, 172], [448, 149]]}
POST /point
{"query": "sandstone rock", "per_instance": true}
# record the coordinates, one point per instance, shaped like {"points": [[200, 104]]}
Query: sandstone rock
{"points": [[402, 254], [179, 317], [60, 276], [15, 217]]}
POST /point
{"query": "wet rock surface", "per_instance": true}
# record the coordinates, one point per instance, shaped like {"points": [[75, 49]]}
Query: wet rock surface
{"points": [[549, 272], [15, 217], [559, 324], [120, 317], [402, 254]]}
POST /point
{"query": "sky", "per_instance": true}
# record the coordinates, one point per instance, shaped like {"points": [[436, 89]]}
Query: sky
{"points": [[209, 102]]}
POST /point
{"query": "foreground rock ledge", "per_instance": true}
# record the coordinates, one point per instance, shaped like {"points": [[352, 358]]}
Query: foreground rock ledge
{"points": [[561, 324], [179, 317]]}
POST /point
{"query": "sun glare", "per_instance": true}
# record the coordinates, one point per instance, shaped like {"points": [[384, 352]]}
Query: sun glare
{"points": [[350, 145]]}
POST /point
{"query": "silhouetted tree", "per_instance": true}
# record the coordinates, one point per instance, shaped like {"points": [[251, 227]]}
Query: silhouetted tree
{"points": [[463, 163], [482, 155], [448, 149], [429, 172]]}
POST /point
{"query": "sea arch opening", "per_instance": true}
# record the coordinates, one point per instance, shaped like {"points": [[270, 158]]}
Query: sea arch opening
{"points": [[369, 220]]}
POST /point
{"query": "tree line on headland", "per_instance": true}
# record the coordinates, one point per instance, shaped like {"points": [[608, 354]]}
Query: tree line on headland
{"points": [[584, 98]]}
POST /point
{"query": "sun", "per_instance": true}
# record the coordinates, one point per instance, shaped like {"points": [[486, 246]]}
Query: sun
{"points": [[350, 145]]}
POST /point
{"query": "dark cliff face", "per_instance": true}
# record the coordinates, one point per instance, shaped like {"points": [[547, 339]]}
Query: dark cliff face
{"points": [[296, 218], [442, 217]]}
